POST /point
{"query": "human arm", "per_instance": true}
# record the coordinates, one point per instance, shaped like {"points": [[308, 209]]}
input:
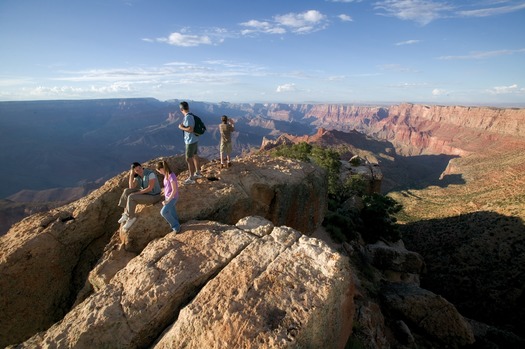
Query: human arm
{"points": [[151, 185], [186, 128], [132, 181]]}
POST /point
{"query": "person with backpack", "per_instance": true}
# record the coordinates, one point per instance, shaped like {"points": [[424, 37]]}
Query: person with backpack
{"points": [[191, 141], [226, 128], [143, 188], [171, 195]]}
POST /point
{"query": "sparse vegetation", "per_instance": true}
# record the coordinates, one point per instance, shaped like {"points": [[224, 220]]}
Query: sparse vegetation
{"points": [[352, 213]]}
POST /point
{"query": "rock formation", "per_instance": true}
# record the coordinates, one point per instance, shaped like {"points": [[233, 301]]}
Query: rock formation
{"points": [[54, 252], [257, 282], [356, 165], [256, 286], [425, 129]]}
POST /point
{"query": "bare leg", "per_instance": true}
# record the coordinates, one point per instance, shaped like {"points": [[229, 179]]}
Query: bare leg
{"points": [[196, 164], [191, 165]]}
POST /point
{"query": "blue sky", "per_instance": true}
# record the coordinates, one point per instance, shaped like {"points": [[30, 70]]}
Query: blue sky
{"points": [[291, 51]]}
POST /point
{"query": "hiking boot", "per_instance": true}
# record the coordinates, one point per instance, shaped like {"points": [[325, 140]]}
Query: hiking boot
{"points": [[129, 223], [229, 164], [124, 218], [197, 175], [189, 181]]}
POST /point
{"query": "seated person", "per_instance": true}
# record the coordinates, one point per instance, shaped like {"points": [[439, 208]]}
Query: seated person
{"points": [[144, 188]]}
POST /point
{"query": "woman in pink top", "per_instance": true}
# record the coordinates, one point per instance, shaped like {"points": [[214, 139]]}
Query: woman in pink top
{"points": [[171, 195]]}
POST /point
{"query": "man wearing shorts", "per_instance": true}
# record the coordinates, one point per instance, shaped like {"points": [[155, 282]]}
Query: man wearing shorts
{"points": [[192, 142]]}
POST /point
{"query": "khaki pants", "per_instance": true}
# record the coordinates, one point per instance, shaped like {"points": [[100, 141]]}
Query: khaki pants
{"points": [[129, 200]]}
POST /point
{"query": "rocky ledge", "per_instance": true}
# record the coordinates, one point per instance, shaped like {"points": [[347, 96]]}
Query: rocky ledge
{"points": [[244, 273]]}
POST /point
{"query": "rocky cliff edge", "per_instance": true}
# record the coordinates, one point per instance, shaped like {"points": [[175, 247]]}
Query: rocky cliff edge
{"points": [[58, 265], [240, 275]]}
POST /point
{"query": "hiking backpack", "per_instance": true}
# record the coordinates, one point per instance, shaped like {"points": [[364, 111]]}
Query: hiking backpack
{"points": [[199, 127]]}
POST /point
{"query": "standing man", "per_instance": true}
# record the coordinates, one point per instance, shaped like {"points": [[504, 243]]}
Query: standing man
{"points": [[143, 188], [226, 128], [191, 141]]}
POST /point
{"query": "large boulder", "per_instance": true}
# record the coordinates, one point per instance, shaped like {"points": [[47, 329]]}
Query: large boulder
{"points": [[45, 259], [395, 262], [426, 314], [251, 285]]}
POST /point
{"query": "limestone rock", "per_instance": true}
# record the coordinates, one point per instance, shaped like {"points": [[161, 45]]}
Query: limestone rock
{"points": [[285, 191], [283, 290], [428, 314], [359, 166], [270, 291], [395, 261], [146, 295], [45, 259]]}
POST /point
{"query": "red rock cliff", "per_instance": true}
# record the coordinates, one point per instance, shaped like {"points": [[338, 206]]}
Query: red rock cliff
{"points": [[422, 129]]}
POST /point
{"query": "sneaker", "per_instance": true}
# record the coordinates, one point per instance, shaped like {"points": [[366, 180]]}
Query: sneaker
{"points": [[197, 175], [124, 218], [129, 223], [189, 181]]}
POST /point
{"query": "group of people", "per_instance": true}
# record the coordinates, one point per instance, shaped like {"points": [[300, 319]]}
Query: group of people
{"points": [[143, 184]]}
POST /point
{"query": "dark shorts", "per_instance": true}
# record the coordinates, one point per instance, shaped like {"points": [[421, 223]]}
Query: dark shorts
{"points": [[192, 149]]}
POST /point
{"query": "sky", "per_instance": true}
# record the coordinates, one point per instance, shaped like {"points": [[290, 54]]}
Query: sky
{"points": [[455, 52]]}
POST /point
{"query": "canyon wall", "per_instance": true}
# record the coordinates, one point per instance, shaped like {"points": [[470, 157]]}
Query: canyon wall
{"points": [[423, 129]]}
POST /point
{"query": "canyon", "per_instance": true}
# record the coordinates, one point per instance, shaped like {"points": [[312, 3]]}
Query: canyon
{"points": [[456, 170]]}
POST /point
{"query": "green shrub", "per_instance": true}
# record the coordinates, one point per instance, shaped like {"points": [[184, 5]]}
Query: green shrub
{"points": [[300, 151], [356, 185], [376, 220]]}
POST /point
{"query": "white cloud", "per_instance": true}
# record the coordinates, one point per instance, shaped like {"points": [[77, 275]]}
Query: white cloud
{"points": [[72, 91], [483, 54], [345, 18], [186, 40], [397, 68], [408, 85], [299, 23], [261, 26], [302, 22], [407, 42], [512, 89], [439, 92], [336, 78], [486, 12], [426, 11], [286, 88], [420, 11]]}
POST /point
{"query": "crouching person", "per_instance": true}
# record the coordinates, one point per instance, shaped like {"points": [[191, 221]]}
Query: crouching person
{"points": [[144, 188]]}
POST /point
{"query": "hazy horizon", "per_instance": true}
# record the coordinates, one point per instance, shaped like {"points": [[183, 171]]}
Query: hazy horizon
{"points": [[364, 103]]}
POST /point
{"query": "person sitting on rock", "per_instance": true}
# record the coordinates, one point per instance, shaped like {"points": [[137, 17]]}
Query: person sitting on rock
{"points": [[171, 195], [144, 188]]}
